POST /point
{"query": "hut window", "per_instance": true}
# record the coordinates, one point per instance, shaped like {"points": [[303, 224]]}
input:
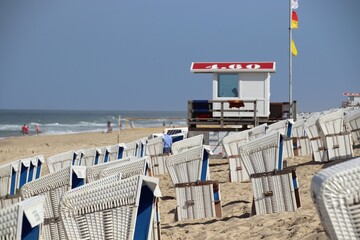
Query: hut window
{"points": [[228, 85]]}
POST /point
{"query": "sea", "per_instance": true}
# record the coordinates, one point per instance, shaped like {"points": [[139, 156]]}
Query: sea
{"points": [[75, 121]]}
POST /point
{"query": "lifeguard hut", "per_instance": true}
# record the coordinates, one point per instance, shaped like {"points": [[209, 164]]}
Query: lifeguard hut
{"points": [[240, 97], [353, 99]]}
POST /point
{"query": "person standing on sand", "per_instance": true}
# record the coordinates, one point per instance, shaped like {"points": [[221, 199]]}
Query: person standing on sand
{"points": [[167, 143], [109, 127]]}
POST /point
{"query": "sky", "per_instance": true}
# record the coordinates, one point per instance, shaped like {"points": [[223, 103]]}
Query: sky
{"points": [[136, 54]]}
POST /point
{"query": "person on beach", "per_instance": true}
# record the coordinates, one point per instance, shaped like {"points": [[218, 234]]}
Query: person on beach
{"points": [[167, 143], [109, 127], [37, 129], [25, 130]]}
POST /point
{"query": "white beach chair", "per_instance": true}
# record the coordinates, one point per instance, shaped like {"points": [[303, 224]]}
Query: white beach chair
{"points": [[338, 143], [301, 140], [122, 209], [335, 192], [352, 121], [93, 172], [231, 145], [155, 149], [90, 157], [141, 150], [187, 144], [22, 221], [316, 142], [131, 149], [53, 186], [29, 169], [275, 192], [116, 151], [8, 184], [63, 160], [196, 195], [257, 131], [263, 154], [140, 166], [285, 129]]}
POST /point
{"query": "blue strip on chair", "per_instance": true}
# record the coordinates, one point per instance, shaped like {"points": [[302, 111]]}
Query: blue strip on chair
{"points": [[120, 153], [27, 232], [280, 153], [31, 172], [295, 183], [23, 175], [141, 150], [13, 181], [106, 156], [75, 181], [144, 214], [289, 127], [177, 138], [205, 164], [38, 169], [216, 196], [73, 159], [96, 161], [136, 149]]}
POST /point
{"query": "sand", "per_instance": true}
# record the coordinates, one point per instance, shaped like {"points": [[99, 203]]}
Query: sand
{"points": [[236, 222]]}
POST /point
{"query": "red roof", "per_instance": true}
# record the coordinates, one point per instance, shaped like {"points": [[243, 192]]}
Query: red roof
{"points": [[352, 94], [211, 67]]}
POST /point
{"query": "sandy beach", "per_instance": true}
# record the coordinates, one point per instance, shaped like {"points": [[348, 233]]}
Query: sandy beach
{"points": [[236, 222]]}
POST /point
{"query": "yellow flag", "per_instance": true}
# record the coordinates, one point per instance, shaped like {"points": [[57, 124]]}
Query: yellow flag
{"points": [[293, 48]]}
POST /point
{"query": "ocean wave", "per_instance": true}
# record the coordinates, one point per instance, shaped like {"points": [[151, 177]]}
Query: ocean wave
{"points": [[10, 127]]}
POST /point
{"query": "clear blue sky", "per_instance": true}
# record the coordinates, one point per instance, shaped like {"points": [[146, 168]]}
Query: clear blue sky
{"points": [[136, 55]]}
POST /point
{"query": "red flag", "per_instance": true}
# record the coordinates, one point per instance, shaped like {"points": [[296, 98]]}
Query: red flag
{"points": [[294, 20]]}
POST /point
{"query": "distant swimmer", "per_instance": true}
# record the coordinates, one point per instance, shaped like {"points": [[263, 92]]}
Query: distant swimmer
{"points": [[37, 129]]}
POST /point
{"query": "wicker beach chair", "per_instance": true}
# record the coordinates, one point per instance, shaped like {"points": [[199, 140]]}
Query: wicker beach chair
{"points": [[316, 142], [63, 160], [29, 169], [93, 172], [231, 143], [154, 149], [187, 144], [338, 142], [257, 131], [123, 209], [285, 129], [300, 139], [53, 186], [263, 154], [352, 121], [140, 166], [90, 157], [275, 192], [22, 221], [196, 195], [335, 192], [116, 151], [131, 149]]}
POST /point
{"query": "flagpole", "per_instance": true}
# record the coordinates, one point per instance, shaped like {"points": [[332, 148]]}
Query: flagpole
{"points": [[290, 61]]}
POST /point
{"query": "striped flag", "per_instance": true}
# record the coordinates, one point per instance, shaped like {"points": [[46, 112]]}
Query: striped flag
{"points": [[293, 48], [294, 20]]}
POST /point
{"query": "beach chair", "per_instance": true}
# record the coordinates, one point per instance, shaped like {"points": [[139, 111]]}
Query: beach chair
{"points": [[196, 195], [187, 144], [123, 209], [53, 186], [90, 157], [337, 141], [8, 184], [128, 169], [263, 154], [316, 142], [155, 149], [275, 192], [116, 151], [93, 172], [63, 160], [335, 192], [301, 141], [352, 121], [141, 150], [231, 145], [29, 169], [131, 149], [285, 129], [22, 221], [257, 131]]}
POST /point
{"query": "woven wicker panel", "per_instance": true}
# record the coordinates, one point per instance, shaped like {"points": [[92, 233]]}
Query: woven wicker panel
{"points": [[188, 143], [336, 195], [60, 161], [9, 222], [127, 169], [262, 154]]}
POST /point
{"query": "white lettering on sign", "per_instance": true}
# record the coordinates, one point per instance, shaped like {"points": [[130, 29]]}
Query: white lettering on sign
{"points": [[234, 66]]}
